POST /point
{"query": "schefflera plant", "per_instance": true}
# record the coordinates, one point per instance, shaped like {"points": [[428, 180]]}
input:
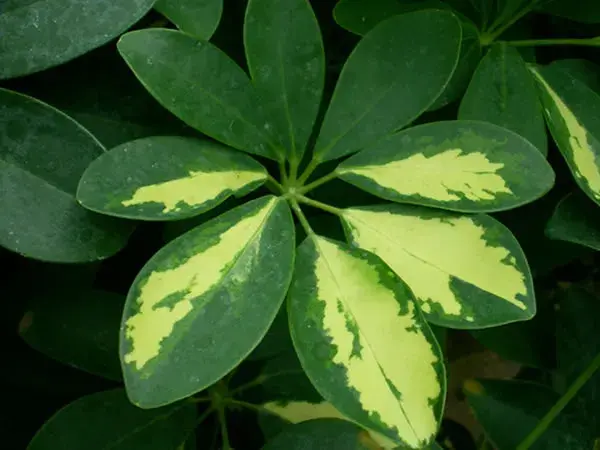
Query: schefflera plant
{"points": [[358, 310]]}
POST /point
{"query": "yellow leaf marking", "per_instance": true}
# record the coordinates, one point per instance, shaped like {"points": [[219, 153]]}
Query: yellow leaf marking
{"points": [[440, 177], [392, 352], [193, 190], [192, 278], [427, 253], [296, 412], [584, 158]]}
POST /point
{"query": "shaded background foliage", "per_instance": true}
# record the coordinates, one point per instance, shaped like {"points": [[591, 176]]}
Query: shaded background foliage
{"points": [[100, 92]]}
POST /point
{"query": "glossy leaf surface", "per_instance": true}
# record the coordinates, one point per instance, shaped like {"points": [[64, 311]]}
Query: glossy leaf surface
{"points": [[287, 64], [465, 166], [223, 106], [80, 329], [504, 93], [108, 420], [164, 177], [465, 271], [40, 34], [199, 18], [43, 153], [205, 300], [331, 434], [585, 71], [510, 410], [363, 343], [392, 76], [576, 219], [572, 113]]}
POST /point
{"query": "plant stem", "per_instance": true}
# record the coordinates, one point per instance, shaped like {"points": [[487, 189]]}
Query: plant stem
{"points": [[488, 38], [275, 187], [205, 415], [301, 217], [312, 165], [543, 424], [320, 205], [590, 42], [282, 173], [199, 399], [293, 169], [223, 422], [309, 187], [250, 406]]}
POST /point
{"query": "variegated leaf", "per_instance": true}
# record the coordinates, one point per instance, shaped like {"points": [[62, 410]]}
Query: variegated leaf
{"points": [[572, 111], [363, 343], [463, 166], [165, 178], [466, 271], [204, 301]]}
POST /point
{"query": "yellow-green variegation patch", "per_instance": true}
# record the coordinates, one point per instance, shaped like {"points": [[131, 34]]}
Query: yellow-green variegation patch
{"points": [[299, 411], [205, 300], [463, 166], [166, 177], [572, 111], [466, 271], [363, 343]]}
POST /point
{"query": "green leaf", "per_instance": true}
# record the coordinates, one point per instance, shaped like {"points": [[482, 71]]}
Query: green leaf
{"points": [[392, 76], [586, 11], [470, 54], [572, 113], [503, 92], [359, 16], [287, 64], [43, 153], [585, 71], [38, 34], [509, 411], [331, 434], [80, 329], [576, 219], [166, 178], [348, 315], [200, 18], [204, 302], [465, 271], [223, 106], [465, 166], [108, 420], [577, 344]]}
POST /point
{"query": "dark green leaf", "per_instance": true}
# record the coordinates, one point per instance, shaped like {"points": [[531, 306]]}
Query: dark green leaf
{"points": [[504, 93], [42, 156], [37, 34], [287, 63], [585, 71], [470, 53], [509, 410], [393, 75], [80, 329], [107, 420], [463, 165], [165, 178], [360, 16], [577, 344], [224, 105], [330, 434], [586, 11], [199, 18], [576, 219], [205, 300], [277, 339]]}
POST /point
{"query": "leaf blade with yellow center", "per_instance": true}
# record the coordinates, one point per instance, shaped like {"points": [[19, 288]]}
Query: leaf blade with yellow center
{"points": [[363, 343], [572, 111], [466, 271], [463, 166], [204, 301], [166, 178]]}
